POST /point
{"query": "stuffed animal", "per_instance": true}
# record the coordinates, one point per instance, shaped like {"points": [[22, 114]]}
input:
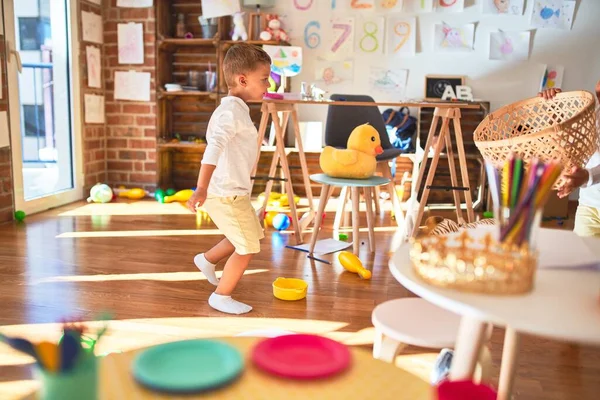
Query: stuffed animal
{"points": [[357, 161], [239, 29], [274, 31]]}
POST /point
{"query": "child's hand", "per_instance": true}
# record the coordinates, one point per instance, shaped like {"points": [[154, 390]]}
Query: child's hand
{"points": [[549, 93], [198, 198], [576, 177]]}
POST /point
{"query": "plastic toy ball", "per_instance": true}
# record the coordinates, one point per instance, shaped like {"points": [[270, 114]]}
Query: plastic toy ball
{"points": [[170, 192], [159, 195], [20, 215], [100, 193], [281, 222], [269, 217]]}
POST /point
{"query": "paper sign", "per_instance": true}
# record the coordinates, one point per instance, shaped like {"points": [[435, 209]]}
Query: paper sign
{"points": [[134, 3], [509, 45], [94, 109], [369, 34], [503, 7], [401, 36], [418, 6], [388, 80], [94, 69], [219, 8], [132, 85], [92, 27], [552, 77], [453, 38], [285, 60], [553, 14], [131, 43], [450, 5], [4, 137]]}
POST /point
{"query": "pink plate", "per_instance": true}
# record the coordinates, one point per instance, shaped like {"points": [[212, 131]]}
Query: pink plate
{"points": [[301, 356]]}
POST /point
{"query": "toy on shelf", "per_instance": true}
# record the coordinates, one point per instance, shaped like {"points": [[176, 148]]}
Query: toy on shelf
{"points": [[289, 289], [133, 194], [352, 263], [181, 196], [239, 29], [274, 31], [100, 193], [357, 161], [281, 222]]}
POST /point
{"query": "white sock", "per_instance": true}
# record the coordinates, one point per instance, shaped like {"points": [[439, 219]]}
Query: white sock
{"points": [[207, 268], [227, 305]]}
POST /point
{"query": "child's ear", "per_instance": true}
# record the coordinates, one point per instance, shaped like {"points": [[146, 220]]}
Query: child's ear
{"points": [[242, 80]]}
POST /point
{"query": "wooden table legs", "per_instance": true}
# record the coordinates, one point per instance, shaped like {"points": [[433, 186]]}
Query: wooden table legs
{"points": [[280, 156], [446, 115], [508, 368]]}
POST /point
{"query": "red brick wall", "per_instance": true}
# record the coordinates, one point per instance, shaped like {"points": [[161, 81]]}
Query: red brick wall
{"points": [[130, 125], [6, 186], [93, 135]]}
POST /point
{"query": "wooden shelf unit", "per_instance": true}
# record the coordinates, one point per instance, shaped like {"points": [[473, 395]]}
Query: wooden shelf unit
{"points": [[186, 113]]}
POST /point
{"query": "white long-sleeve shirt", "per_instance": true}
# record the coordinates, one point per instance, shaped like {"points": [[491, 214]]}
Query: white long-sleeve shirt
{"points": [[232, 146], [589, 194]]}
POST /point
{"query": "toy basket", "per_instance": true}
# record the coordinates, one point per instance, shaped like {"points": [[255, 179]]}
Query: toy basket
{"points": [[562, 129]]}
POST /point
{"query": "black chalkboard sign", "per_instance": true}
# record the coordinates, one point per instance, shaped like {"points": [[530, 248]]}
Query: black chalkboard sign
{"points": [[435, 85]]}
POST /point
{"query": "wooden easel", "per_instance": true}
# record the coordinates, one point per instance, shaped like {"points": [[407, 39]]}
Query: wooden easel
{"points": [[280, 156], [446, 115]]}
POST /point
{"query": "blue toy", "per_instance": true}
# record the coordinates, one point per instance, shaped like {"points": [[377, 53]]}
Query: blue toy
{"points": [[281, 222]]}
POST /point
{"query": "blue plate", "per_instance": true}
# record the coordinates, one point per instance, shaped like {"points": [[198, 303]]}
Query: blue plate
{"points": [[188, 366]]}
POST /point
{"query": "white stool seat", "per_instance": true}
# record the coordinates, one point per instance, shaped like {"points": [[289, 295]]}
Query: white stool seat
{"points": [[416, 322]]}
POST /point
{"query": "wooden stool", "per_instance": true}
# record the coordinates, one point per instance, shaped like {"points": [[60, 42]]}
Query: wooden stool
{"points": [[446, 115], [413, 321], [328, 183]]}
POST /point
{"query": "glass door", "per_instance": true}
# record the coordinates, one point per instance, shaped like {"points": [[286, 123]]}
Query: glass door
{"points": [[43, 106]]}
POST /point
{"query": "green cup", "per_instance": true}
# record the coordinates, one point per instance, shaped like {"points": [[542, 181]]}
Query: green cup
{"points": [[80, 383]]}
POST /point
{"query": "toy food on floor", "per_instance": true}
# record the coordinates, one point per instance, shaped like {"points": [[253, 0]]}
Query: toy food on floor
{"points": [[20, 215], [281, 222], [289, 289], [133, 194], [100, 193], [357, 161], [269, 216], [159, 195], [182, 196], [353, 264], [302, 356]]}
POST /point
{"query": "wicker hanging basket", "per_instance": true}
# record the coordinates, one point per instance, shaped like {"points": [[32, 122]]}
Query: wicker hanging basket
{"points": [[562, 129]]}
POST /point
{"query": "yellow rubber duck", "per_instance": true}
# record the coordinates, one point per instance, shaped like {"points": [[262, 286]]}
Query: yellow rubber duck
{"points": [[357, 161]]}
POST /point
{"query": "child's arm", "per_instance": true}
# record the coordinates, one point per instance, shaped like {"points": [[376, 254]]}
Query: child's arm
{"points": [[223, 130]]}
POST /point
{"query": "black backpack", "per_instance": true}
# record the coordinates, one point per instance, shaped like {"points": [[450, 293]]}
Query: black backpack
{"points": [[405, 128]]}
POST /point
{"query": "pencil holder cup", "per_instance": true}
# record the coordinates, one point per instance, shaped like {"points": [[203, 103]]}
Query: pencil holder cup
{"points": [[519, 226], [80, 383]]}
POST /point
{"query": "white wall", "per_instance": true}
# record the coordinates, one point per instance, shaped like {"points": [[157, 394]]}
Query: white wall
{"points": [[499, 82]]}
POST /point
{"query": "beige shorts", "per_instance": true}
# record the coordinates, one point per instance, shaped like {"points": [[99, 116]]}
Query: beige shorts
{"points": [[587, 221], [236, 219]]}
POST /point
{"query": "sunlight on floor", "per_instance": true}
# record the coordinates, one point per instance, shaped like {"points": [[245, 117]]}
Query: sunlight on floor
{"points": [[143, 207], [159, 276]]}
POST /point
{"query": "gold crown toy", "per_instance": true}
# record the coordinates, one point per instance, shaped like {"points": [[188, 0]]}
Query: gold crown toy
{"points": [[474, 265]]}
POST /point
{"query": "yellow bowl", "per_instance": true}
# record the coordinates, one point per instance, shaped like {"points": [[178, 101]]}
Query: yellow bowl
{"points": [[289, 289]]}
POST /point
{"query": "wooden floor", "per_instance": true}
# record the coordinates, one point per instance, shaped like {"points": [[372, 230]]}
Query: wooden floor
{"points": [[135, 261]]}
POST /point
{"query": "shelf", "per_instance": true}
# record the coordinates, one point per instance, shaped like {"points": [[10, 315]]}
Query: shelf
{"points": [[270, 42], [171, 43], [185, 93], [182, 145]]}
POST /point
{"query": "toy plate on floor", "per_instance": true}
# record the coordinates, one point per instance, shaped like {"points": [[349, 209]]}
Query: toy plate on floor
{"points": [[188, 366], [301, 356]]}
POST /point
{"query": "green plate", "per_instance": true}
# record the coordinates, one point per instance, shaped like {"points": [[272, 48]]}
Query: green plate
{"points": [[188, 366]]}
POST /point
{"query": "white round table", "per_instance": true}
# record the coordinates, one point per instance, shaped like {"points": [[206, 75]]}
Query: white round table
{"points": [[564, 304]]}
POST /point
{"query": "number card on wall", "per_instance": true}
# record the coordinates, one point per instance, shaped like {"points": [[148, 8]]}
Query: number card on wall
{"points": [[401, 36], [389, 5], [450, 5], [342, 37], [362, 4], [303, 5], [369, 35], [417, 6]]}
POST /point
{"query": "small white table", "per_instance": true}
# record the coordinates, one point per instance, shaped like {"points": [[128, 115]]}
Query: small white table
{"points": [[564, 304]]}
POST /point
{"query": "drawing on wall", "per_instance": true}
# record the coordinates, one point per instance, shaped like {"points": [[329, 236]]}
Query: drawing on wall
{"points": [[450, 5], [341, 37], [132, 85], [219, 8], [552, 77], [285, 60], [453, 38], [92, 27], [130, 43], [390, 81], [503, 7], [509, 45], [134, 3], [389, 5], [333, 72], [370, 35], [553, 14], [401, 36], [94, 69], [94, 109], [417, 6]]}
